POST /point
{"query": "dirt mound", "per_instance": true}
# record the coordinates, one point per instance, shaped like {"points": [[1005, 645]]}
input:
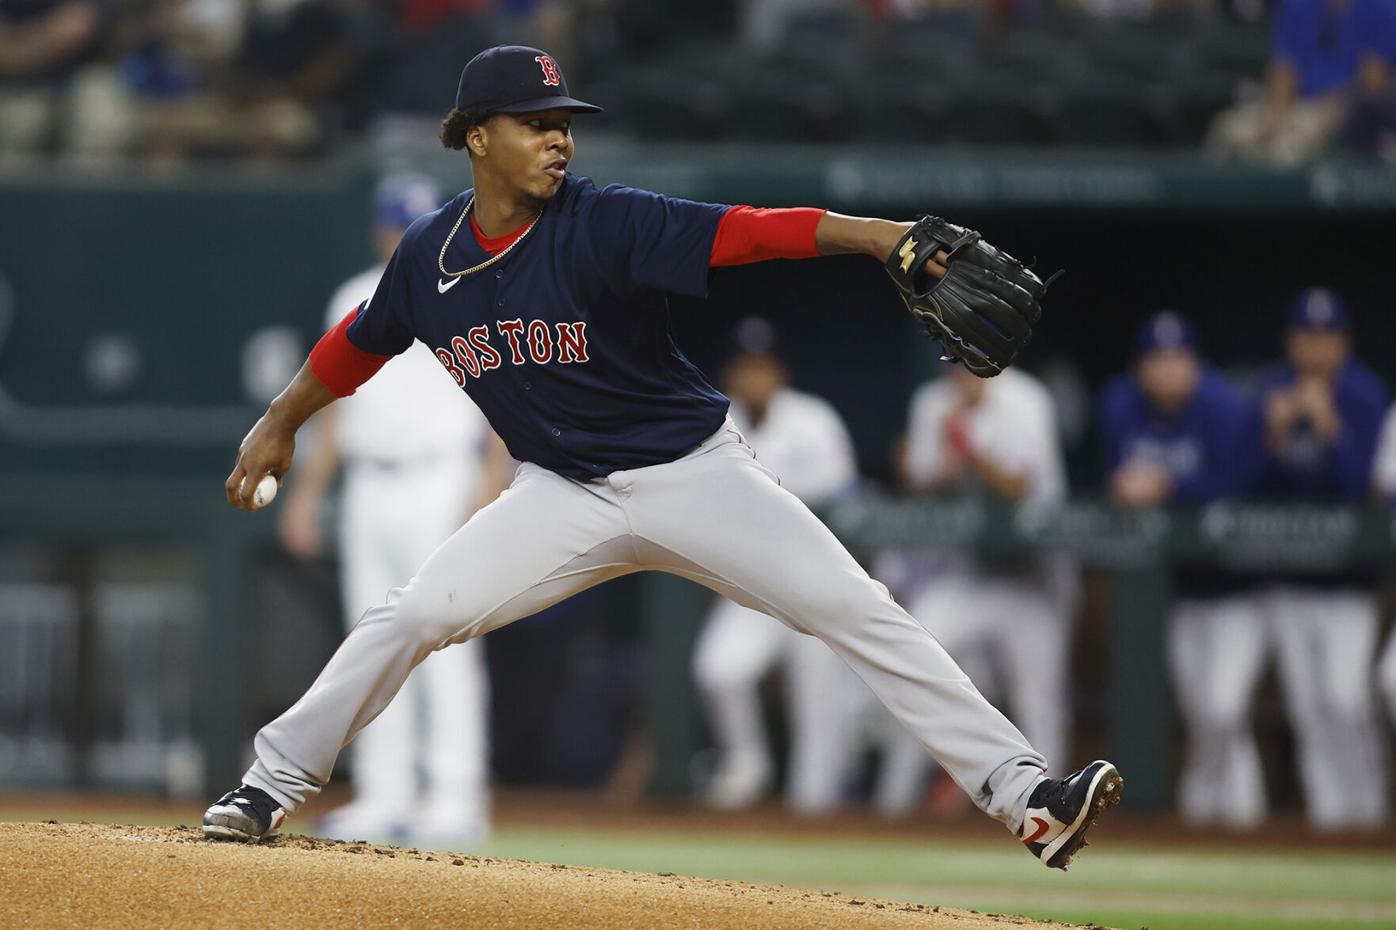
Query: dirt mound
{"points": [[95, 875]]}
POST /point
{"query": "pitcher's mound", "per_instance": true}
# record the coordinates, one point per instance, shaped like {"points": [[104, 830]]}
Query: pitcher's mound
{"points": [[95, 875]]}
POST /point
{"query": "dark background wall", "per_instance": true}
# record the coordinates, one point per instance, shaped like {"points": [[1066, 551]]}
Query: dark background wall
{"points": [[188, 272]]}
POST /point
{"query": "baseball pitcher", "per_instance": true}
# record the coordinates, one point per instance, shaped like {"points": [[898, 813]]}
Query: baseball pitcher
{"points": [[544, 297]]}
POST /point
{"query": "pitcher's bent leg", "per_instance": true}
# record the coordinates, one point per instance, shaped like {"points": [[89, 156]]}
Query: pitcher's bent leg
{"points": [[721, 519], [486, 575]]}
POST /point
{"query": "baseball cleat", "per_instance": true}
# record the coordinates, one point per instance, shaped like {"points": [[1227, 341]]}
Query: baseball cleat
{"points": [[1061, 810], [247, 814], [738, 785], [359, 820]]}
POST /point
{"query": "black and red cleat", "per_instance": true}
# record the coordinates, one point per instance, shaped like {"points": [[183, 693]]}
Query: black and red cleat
{"points": [[1061, 810]]}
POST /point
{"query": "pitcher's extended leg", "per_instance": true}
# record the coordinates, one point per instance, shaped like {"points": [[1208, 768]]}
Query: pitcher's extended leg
{"points": [[486, 575], [721, 519]]}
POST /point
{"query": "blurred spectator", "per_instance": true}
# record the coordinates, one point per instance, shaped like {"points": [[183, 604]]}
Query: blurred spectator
{"points": [[294, 81], [764, 23], [412, 448], [1321, 411], [1145, 9], [45, 46], [1320, 49], [432, 39], [995, 438], [1175, 432], [802, 439], [1371, 122]]}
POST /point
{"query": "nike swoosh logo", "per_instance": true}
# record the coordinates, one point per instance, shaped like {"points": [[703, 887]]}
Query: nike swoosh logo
{"points": [[1042, 827], [442, 287]]}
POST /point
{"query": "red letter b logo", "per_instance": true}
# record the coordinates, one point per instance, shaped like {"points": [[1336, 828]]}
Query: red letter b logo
{"points": [[550, 76]]}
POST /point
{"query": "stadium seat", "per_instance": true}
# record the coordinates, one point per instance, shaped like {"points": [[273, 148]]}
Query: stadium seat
{"points": [[1243, 52], [902, 109], [823, 25], [661, 109], [770, 109], [1120, 116], [998, 115], [1201, 97]]}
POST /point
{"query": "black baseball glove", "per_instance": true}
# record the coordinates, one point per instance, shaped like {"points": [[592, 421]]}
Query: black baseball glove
{"points": [[983, 310]]}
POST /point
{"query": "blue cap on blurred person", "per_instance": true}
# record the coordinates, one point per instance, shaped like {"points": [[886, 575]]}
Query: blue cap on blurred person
{"points": [[751, 335], [1165, 330], [1318, 308], [401, 198], [515, 79]]}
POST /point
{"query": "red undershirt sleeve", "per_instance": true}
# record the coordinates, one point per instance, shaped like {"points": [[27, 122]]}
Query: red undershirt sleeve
{"points": [[754, 234], [339, 364]]}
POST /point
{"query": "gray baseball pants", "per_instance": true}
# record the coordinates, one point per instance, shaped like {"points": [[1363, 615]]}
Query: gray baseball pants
{"points": [[715, 516]]}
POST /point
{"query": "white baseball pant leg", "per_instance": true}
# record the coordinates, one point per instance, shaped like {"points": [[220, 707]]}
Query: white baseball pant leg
{"points": [[976, 619], [940, 604], [720, 518], [1386, 676], [735, 650], [1216, 650], [824, 700], [392, 521], [1029, 630], [542, 540], [1327, 642], [715, 516]]}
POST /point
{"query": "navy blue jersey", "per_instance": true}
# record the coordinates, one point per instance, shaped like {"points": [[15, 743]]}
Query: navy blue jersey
{"points": [[1201, 447], [1304, 467], [564, 344]]}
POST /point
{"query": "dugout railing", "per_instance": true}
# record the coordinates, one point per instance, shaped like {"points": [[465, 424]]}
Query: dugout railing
{"points": [[79, 516]]}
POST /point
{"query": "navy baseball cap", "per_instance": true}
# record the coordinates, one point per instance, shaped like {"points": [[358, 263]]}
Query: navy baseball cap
{"points": [[1318, 308], [515, 79], [400, 198], [1165, 330], [753, 335]]}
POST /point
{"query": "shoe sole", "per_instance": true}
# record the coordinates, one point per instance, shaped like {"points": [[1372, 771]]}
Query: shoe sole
{"points": [[223, 830], [1106, 787]]}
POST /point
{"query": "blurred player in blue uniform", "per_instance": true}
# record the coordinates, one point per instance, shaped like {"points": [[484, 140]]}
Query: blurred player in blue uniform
{"points": [[1175, 432], [1320, 412]]}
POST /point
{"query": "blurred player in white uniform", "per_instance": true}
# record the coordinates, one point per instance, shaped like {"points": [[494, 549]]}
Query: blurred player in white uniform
{"points": [[413, 451], [1384, 485], [994, 437], [802, 439]]}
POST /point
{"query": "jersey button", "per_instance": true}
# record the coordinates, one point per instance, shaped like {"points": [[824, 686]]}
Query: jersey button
{"points": [[501, 301], [499, 274], [528, 385], [556, 431]]}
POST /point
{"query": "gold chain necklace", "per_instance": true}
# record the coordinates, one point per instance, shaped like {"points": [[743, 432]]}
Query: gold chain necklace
{"points": [[441, 259]]}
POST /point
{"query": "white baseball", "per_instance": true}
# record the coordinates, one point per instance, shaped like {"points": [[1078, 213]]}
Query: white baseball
{"points": [[265, 493]]}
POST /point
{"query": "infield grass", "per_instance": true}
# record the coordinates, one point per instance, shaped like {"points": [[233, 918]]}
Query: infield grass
{"points": [[1113, 885]]}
